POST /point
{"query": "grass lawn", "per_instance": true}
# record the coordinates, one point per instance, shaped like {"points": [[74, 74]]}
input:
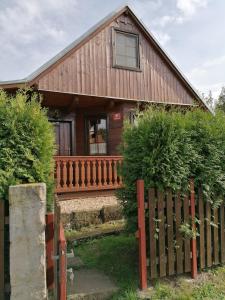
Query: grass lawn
{"points": [[117, 257]]}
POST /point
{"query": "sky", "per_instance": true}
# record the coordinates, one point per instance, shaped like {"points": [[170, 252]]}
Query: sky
{"points": [[191, 31]]}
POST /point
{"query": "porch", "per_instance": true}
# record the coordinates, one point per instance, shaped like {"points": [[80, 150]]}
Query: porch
{"points": [[88, 133], [87, 173]]}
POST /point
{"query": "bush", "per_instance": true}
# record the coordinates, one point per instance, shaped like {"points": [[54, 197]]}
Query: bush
{"points": [[167, 148], [26, 143]]}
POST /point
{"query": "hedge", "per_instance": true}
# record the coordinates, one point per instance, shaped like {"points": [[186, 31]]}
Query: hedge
{"points": [[167, 148], [26, 143]]}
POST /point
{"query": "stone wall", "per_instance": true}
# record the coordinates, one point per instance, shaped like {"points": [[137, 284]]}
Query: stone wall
{"points": [[27, 241]]}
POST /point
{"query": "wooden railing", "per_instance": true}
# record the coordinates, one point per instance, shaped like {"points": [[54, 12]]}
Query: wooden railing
{"points": [[87, 173]]}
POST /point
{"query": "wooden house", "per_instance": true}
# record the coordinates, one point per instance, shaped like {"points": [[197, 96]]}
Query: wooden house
{"points": [[92, 86]]}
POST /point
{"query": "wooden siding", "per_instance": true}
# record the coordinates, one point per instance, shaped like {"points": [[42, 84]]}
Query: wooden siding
{"points": [[115, 127], [77, 119], [88, 71]]}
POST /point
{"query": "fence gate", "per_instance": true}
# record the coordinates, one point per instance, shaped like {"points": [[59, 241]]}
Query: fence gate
{"points": [[60, 264]]}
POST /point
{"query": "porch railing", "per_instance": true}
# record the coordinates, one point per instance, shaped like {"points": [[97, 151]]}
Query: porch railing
{"points": [[87, 173]]}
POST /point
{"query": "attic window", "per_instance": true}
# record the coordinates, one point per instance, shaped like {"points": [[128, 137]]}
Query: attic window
{"points": [[126, 50]]}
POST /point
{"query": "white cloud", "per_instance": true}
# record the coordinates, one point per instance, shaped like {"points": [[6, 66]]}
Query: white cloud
{"points": [[207, 76], [186, 9], [26, 21], [189, 7], [162, 37], [164, 20], [214, 62]]}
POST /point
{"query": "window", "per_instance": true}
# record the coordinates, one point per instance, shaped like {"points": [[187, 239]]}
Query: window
{"points": [[126, 50], [97, 135]]}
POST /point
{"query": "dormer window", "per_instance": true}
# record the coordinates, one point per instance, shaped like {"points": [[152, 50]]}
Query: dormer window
{"points": [[126, 50]]}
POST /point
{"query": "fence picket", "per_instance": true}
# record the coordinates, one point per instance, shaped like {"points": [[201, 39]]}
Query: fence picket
{"points": [[187, 259], [152, 232], [170, 251], [215, 237], [2, 238], [169, 212], [179, 240], [208, 235], [222, 233], [201, 230], [162, 258]]}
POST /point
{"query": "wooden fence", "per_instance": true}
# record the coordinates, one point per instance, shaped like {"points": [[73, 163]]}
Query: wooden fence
{"points": [[59, 255], [56, 254], [87, 173], [2, 247], [168, 223]]}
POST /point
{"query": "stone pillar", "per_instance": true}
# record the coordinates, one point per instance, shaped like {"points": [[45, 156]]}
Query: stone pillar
{"points": [[27, 241]]}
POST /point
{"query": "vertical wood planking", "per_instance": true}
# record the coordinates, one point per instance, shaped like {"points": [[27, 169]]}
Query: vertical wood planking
{"points": [[179, 240], [208, 235], [152, 232], [170, 238], [222, 234], [49, 233], [2, 239], [88, 70], [142, 234], [201, 230], [215, 237], [187, 259], [162, 254], [193, 227]]}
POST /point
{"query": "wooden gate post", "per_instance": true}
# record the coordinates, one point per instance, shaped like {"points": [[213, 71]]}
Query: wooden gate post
{"points": [[193, 240], [49, 231], [142, 235], [62, 264]]}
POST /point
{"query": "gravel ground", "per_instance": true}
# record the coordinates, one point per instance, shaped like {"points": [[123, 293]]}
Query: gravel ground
{"points": [[91, 203]]}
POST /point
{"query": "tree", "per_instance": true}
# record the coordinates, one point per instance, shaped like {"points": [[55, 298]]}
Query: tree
{"points": [[209, 100], [221, 100]]}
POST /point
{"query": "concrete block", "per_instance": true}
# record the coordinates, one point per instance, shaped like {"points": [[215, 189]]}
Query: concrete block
{"points": [[27, 241]]}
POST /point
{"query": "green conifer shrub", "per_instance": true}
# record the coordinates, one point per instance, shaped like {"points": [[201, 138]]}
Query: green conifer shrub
{"points": [[167, 148], [27, 143]]}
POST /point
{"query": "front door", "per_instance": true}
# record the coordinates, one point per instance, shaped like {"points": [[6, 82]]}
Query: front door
{"points": [[63, 133]]}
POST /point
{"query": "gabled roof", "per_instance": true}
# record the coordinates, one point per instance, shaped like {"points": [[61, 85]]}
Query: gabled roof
{"points": [[88, 35]]}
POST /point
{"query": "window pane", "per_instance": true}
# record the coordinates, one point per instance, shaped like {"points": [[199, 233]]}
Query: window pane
{"points": [[97, 136], [131, 62], [121, 60], [120, 49], [120, 38], [131, 52], [131, 41], [126, 50]]}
